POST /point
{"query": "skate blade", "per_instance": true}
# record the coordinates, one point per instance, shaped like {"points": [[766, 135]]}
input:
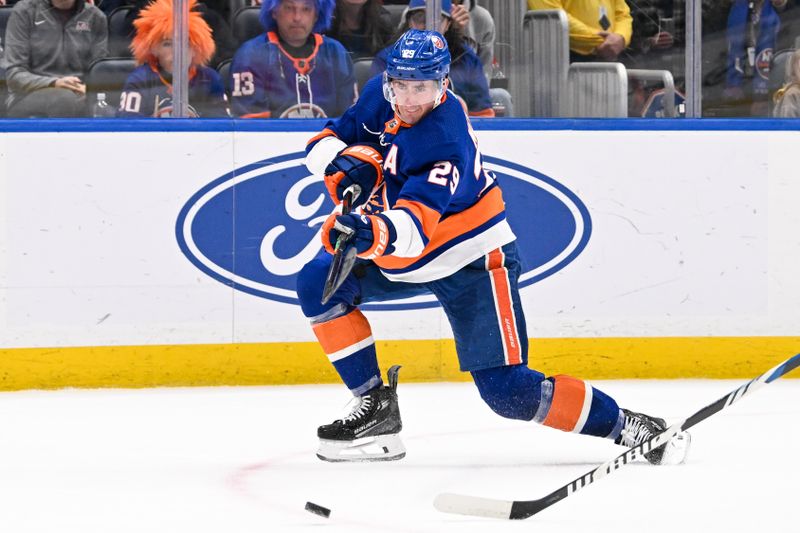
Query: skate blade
{"points": [[677, 449], [367, 449]]}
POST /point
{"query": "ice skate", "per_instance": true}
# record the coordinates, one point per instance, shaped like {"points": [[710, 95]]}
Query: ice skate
{"points": [[370, 432], [639, 427]]}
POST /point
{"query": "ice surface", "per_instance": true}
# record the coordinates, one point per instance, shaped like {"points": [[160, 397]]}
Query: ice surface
{"points": [[203, 460]]}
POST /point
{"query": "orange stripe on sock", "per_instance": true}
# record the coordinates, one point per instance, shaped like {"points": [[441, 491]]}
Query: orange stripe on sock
{"points": [[505, 307], [565, 410], [339, 333]]}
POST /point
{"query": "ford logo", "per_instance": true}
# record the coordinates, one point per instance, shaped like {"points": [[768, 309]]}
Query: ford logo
{"points": [[255, 228]]}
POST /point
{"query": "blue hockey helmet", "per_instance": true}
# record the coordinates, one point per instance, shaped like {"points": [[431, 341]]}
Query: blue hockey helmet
{"points": [[419, 55]]}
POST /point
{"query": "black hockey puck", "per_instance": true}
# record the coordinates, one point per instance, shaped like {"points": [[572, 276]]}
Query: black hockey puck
{"points": [[318, 510]]}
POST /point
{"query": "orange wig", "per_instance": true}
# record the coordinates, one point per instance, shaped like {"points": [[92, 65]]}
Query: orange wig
{"points": [[155, 23]]}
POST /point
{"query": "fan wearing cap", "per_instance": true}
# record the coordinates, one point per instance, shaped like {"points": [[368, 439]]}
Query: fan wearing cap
{"points": [[148, 89], [430, 220], [467, 76]]}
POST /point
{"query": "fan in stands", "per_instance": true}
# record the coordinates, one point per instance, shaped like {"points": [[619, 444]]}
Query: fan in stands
{"points": [[292, 70], [148, 89]]}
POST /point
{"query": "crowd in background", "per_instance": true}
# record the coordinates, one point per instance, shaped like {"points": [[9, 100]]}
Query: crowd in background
{"points": [[301, 58]]}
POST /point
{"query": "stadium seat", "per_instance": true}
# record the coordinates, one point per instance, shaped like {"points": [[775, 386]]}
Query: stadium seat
{"points": [[362, 68], [224, 70], [597, 90], [108, 76], [246, 25], [120, 32], [234, 6], [777, 69], [777, 73]]}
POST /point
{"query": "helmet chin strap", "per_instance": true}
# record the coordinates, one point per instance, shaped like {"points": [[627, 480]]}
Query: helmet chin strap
{"points": [[443, 83]]}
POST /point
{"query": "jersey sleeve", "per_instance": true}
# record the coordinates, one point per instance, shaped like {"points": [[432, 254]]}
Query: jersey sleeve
{"points": [[360, 123], [475, 90], [378, 63]]}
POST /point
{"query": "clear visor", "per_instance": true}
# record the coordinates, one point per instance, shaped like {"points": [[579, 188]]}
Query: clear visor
{"points": [[412, 92]]}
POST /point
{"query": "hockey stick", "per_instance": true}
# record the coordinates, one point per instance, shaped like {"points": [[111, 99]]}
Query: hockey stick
{"points": [[344, 256], [520, 509]]}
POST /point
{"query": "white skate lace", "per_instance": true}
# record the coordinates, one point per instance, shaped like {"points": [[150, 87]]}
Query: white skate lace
{"points": [[362, 406], [635, 431]]}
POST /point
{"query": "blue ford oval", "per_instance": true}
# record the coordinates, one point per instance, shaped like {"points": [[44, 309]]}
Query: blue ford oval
{"points": [[256, 227]]}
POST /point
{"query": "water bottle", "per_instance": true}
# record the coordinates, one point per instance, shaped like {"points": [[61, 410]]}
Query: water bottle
{"points": [[101, 109], [498, 79]]}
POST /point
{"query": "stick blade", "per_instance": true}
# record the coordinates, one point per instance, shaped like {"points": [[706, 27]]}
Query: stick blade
{"points": [[340, 268], [472, 506]]}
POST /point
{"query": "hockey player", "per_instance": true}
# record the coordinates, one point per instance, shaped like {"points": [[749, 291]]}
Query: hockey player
{"points": [[432, 220], [148, 90], [292, 70]]}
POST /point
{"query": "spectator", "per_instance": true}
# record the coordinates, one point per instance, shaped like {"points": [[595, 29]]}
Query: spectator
{"points": [[599, 30], [657, 43], [467, 77], [225, 44], [293, 71], [480, 30], [753, 27], [148, 89], [49, 47], [363, 26], [787, 99], [658, 27]]}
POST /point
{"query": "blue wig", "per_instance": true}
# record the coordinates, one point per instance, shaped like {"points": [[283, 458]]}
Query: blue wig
{"points": [[324, 14]]}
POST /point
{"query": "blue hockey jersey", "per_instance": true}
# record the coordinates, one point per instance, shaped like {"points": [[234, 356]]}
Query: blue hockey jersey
{"points": [[267, 82], [147, 93], [446, 208]]}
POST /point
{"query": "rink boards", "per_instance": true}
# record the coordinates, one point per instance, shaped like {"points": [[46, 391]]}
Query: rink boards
{"points": [[164, 252]]}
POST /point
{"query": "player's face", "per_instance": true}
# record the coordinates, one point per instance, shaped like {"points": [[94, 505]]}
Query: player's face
{"points": [[295, 20], [163, 53], [414, 99]]}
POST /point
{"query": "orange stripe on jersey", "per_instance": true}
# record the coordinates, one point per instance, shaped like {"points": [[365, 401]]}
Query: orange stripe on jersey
{"points": [[327, 132], [567, 405], [506, 318], [393, 126], [342, 332], [428, 218], [486, 113], [264, 114], [448, 229]]}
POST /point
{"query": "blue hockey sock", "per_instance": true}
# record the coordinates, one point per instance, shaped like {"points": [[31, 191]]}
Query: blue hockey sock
{"points": [[560, 402]]}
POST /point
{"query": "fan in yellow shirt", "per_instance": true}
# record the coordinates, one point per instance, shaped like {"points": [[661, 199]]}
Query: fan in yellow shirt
{"points": [[599, 30]]}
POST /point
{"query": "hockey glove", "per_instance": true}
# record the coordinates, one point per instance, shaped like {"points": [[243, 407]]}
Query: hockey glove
{"points": [[372, 235], [360, 164]]}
